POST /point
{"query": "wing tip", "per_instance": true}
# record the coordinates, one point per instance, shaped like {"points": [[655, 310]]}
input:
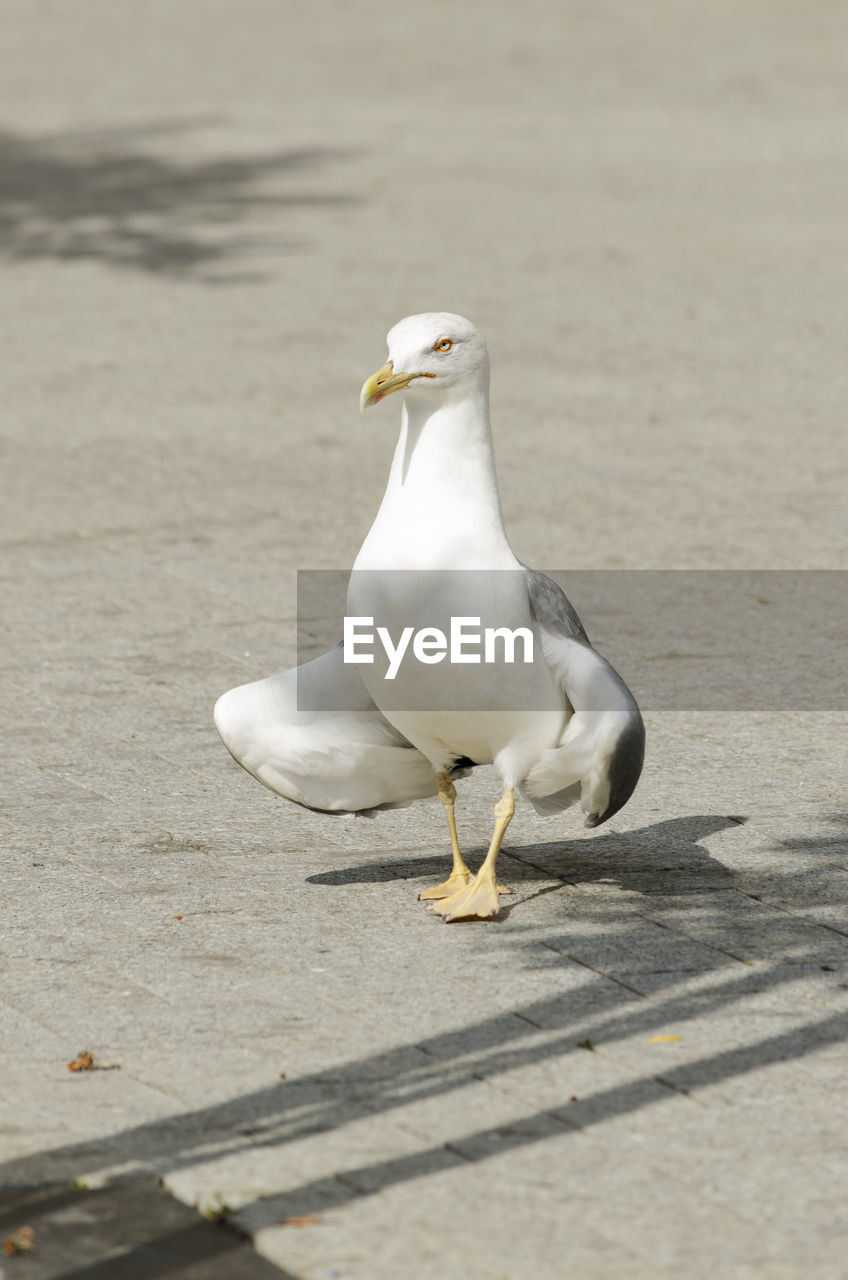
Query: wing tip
{"points": [[625, 769]]}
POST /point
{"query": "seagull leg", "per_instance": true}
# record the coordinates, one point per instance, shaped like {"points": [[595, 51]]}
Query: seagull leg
{"points": [[460, 875], [480, 899]]}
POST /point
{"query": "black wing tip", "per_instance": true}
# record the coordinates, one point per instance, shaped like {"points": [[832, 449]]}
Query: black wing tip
{"points": [[625, 770]]}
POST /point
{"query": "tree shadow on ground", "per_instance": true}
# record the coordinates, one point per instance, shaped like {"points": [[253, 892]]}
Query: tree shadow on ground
{"points": [[104, 196], [130, 1231], [601, 1009]]}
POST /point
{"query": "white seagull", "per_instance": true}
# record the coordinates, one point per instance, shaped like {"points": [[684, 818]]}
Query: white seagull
{"points": [[560, 725]]}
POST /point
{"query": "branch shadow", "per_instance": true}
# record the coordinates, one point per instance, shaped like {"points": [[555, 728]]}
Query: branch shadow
{"points": [[133, 1231], [376, 1084], [603, 1010], [104, 196]]}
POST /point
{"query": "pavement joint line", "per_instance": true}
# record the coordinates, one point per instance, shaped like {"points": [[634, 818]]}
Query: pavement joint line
{"points": [[681, 933], [99, 537], [66, 777], [690, 736], [601, 973], [785, 909]]}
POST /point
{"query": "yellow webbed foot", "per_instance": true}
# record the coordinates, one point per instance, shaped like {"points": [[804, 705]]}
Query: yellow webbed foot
{"points": [[480, 900], [454, 884]]}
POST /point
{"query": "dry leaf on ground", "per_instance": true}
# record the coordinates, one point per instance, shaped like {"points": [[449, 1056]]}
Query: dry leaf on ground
{"points": [[22, 1241], [85, 1062], [82, 1062]]}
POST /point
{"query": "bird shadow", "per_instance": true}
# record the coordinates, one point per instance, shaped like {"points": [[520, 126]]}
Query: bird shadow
{"points": [[609, 856], [107, 196]]}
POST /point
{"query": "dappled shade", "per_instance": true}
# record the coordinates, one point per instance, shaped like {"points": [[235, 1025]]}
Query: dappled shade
{"points": [[104, 195]]}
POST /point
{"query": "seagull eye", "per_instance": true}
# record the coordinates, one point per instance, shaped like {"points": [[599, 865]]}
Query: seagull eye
{"points": [[444, 344]]}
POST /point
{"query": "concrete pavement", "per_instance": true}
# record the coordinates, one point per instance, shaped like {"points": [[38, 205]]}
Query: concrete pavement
{"points": [[210, 215]]}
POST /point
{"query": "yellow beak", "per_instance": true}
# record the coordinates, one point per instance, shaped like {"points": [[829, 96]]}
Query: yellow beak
{"points": [[383, 383]]}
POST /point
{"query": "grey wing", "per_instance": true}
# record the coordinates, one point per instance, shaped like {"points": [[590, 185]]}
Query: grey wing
{"points": [[551, 607], [600, 755], [313, 735]]}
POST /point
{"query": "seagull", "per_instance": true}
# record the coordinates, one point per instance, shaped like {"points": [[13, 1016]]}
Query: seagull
{"points": [[358, 730]]}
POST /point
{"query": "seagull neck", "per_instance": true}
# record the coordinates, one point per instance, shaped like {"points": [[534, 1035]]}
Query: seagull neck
{"points": [[447, 450], [441, 507]]}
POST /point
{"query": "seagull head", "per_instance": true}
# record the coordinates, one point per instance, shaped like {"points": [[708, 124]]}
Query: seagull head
{"points": [[437, 354]]}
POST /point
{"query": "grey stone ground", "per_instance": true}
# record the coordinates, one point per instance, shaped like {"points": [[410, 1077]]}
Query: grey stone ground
{"points": [[210, 214]]}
